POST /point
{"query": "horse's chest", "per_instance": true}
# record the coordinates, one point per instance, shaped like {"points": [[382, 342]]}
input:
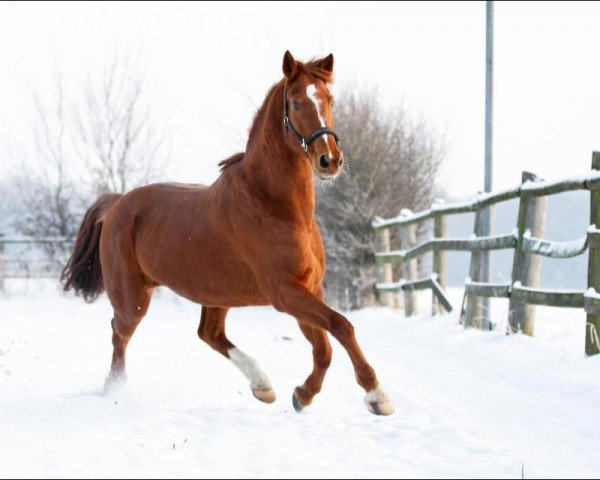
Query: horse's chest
{"points": [[311, 263]]}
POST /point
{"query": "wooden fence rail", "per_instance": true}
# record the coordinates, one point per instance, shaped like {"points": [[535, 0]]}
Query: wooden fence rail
{"points": [[24, 266], [528, 246]]}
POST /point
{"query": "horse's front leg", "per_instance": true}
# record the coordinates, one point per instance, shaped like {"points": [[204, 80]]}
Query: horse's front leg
{"points": [[304, 394], [294, 299], [212, 331]]}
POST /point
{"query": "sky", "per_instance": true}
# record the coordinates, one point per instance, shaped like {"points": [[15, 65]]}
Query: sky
{"points": [[209, 65]]}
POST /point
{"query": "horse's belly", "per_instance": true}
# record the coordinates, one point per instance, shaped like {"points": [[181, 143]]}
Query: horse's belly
{"points": [[228, 284], [204, 272]]}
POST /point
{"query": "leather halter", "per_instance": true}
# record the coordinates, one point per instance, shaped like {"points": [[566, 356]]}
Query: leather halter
{"points": [[304, 142]]}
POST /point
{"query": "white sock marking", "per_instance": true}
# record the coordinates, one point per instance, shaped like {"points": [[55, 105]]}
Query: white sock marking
{"points": [[377, 395], [249, 367]]}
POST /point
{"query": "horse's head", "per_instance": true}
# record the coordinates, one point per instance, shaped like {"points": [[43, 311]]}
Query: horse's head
{"points": [[308, 117]]}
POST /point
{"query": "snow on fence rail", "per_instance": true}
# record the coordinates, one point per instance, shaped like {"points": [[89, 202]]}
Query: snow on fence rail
{"points": [[526, 242]]}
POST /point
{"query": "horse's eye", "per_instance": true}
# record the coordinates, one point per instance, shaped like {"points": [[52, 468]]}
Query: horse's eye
{"points": [[296, 105], [332, 103]]}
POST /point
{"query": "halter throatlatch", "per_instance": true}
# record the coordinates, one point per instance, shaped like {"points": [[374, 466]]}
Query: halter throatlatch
{"points": [[304, 142]]}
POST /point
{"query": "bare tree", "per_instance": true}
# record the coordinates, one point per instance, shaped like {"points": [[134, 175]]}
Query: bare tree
{"points": [[119, 142], [107, 143], [44, 176], [392, 163], [48, 203]]}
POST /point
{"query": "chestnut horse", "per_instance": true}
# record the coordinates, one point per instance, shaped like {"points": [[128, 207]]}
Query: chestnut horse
{"points": [[248, 239]]}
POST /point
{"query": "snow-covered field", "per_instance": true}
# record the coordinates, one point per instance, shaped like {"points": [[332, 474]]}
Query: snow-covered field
{"points": [[468, 404]]}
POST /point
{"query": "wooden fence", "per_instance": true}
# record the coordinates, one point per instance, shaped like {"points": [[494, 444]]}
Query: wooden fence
{"points": [[31, 257], [526, 242]]}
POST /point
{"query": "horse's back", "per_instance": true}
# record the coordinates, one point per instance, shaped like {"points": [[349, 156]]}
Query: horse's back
{"points": [[160, 211], [156, 197], [176, 186]]}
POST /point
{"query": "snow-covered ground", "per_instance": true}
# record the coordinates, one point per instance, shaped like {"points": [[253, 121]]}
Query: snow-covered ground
{"points": [[468, 404]]}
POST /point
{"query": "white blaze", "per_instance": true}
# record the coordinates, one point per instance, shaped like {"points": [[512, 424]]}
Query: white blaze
{"points": [[311, 92]]}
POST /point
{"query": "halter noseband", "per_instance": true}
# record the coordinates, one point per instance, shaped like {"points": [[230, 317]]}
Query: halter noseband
{"points": [[304, 142]]}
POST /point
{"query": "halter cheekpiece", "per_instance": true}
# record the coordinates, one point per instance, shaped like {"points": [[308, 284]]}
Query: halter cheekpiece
{"points": [[304, 142]]}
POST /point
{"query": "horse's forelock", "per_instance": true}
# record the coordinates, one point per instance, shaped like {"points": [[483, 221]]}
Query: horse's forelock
{"points": [[312, 69]]}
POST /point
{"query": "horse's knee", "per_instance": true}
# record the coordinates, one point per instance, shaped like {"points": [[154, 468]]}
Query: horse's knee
{"points": [[124, 326], [340, 327]]}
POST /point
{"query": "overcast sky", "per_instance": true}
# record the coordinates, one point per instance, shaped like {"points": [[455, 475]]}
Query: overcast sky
{"points": [[209, 66]]}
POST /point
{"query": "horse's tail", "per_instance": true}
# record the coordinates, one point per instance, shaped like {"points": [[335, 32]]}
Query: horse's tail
{"points": [[83, 271]]}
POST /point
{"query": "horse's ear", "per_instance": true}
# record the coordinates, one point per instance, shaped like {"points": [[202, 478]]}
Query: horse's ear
{"points": [[327, 63], [290, 66]]}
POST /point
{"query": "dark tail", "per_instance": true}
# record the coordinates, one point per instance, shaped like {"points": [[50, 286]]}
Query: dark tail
{"points": [[83, 271]]}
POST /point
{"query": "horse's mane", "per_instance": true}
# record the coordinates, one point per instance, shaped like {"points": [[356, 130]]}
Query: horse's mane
{"points": [[235, 158]]}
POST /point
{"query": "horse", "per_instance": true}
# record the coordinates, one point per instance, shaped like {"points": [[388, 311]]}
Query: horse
{"points": [[250, 238]]}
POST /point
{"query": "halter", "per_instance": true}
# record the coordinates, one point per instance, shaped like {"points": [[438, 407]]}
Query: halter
{"points": [[304, 142]]}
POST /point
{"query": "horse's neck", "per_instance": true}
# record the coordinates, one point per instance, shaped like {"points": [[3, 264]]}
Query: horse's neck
{"points": [[272, 168]]}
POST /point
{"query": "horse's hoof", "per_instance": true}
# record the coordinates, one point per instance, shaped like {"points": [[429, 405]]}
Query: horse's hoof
{"points": [[266, 395], [296, 403], [377, 408], [378, 403], [300, 399], [114, 383]]}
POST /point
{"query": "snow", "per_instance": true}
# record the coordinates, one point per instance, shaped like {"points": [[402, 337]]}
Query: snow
{"points": [[468, 403], [592, 293], [585, 179], [571, 248], [430, 245], [518, 285], [404, 215], [390, 285]]}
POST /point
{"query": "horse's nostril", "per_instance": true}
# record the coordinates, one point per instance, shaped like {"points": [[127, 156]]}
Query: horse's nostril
{"points": [[324, 161]]}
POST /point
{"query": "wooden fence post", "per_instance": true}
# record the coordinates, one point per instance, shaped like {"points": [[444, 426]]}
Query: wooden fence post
{"points": [[440, 266], [526, 266], [408, 235], [384, 270], [592, 327], [472, 312]]}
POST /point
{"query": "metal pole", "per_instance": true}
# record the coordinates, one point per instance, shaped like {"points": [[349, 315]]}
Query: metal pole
{"points": [[489, 91]]}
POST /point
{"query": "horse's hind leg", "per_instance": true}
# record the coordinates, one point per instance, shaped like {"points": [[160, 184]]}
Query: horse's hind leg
{"points": [[130, 305], [304, 394], [212, 331]]}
